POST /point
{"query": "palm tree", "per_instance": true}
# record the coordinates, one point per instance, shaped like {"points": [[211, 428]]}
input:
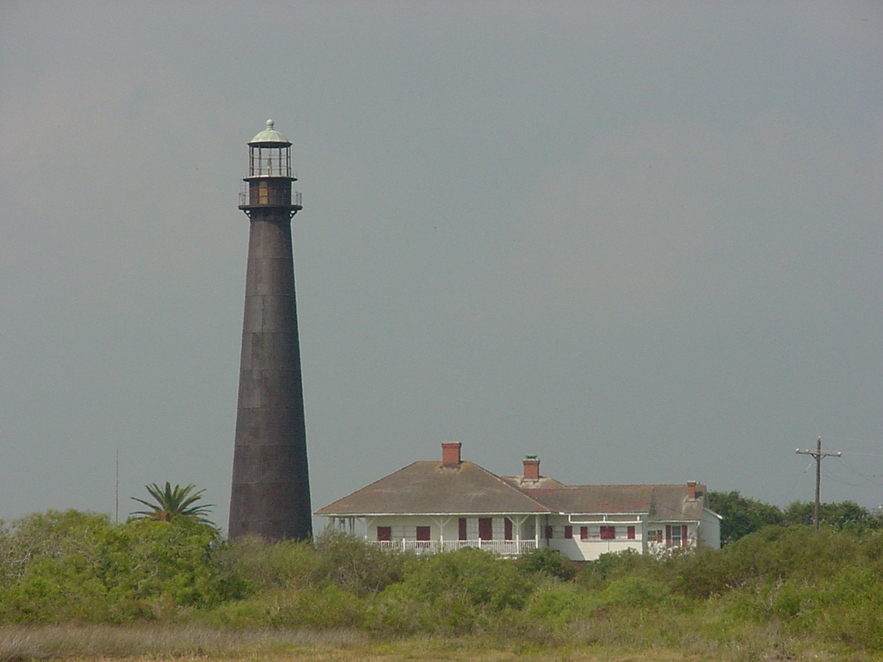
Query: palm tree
{"points": [[173, 502]]}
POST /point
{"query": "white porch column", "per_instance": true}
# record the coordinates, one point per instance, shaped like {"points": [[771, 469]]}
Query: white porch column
{"points": [[442, 523]]}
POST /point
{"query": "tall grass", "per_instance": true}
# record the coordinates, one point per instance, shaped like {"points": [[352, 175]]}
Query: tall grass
{"points": [[51, 642]]}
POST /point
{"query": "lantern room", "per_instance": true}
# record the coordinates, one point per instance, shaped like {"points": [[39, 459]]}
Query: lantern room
{"points": [[269, 154], [269, 173]]}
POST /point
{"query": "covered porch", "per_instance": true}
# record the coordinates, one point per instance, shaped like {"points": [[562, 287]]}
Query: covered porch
{"points": [[508, 535]]}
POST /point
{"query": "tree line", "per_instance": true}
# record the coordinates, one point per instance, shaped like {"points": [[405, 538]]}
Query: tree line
{"points": [[743, 515]]}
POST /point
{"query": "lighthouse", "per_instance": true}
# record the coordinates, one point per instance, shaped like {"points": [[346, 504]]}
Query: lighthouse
{"points": [[270, 496]]}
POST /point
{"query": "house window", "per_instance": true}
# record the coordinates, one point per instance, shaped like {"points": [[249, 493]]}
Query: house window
{"points": [[568, 532], [422, 533], [583, 533], [548, 533], [462, 528], [384, 533], [608, 532], [654, 535], [678, 535], [507, 529], [630, 532], [485, 528]]}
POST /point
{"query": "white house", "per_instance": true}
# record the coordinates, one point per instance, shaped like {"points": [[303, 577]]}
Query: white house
{"points": [[432, 506]]}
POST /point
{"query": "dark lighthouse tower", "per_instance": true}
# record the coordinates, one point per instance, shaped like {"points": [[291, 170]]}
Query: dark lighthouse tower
{"points": [[271, 487]]}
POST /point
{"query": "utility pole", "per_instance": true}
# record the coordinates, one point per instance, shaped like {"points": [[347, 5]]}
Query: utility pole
{"points": [[818, 455], [116, 515]]}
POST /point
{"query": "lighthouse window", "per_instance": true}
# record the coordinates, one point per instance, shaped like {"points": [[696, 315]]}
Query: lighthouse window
{"points": [[263, 194]]}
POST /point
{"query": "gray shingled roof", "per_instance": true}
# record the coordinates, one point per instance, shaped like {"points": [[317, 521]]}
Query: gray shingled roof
{"points": [[464, 489], [431, 487], [662, 502]]}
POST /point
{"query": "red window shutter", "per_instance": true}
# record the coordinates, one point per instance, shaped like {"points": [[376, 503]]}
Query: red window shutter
{"points": [[422, 533], [485, 528], [548, 533], [507, 529], [584, 533], [683, 535], [568, 532], [384, 533], [462, 528], [630, 531], [668, 535]]}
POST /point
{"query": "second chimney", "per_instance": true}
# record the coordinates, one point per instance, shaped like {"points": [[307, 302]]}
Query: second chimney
{"points": [[691, 490], [531, 468], [451, 453]]}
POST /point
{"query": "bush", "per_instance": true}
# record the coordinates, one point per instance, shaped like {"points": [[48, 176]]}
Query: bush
{"points": [[325, 608], [596, 574], [256, 565], [451, 593], [558, 606], [356, 565], [634, 592], [62, 566], [547, 562]]}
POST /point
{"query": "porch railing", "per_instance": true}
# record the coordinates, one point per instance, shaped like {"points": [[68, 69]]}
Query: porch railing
{"points": [[501, 547]]}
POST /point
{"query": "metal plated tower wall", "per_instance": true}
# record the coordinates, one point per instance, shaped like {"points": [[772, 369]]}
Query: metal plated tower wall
{"points": [[271, 488]]}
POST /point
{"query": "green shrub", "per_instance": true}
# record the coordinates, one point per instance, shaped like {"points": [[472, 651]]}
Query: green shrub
{"points": [[318, 608], [634, 592], [258, 565], [557, 606], [607, 567], [546, 561], [332, 558], [80, 566], [451, 593], [356, 565]]}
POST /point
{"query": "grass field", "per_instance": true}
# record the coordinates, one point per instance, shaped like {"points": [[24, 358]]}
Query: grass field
{"points": [[76, 643]]}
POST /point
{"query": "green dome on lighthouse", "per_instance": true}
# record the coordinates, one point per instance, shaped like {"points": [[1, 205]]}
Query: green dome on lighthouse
{"points": [[270, 137]]}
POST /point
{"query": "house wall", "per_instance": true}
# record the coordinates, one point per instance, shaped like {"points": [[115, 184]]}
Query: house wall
{"points": [[710, 529], [403, 529], [658, 544], [588, 548]]}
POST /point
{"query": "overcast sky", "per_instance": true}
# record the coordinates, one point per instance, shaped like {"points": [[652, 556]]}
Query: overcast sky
{"points": [[641, 240]]}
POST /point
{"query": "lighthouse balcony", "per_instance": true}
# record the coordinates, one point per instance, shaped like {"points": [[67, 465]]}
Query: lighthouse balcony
{"points": [[262, 197]]}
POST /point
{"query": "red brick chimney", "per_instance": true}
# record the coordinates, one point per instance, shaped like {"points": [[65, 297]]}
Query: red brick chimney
{"points": [[531, 468], [691, 490], [451, 453]]}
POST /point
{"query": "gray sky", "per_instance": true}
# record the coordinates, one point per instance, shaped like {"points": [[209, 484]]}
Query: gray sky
{"points": [[641, 240]]}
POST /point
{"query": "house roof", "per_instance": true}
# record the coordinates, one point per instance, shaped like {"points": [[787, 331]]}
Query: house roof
{"points": [[465, 488], [436, 488], [660, 502]]}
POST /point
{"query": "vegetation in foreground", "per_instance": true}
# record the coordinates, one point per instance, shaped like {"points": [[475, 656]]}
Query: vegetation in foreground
{"points": [[75, 584]]}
